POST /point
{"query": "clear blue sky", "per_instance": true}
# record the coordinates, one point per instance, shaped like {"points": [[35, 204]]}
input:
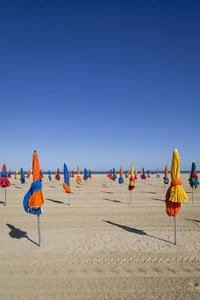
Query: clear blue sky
{"points": [[99, 83]]}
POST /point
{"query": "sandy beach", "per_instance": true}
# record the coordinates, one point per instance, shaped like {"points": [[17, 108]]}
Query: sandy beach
{"points": [[100, 247]]}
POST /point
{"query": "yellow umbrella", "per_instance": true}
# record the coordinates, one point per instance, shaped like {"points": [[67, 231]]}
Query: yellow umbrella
{"points": [[132, 182], [175, 193]]}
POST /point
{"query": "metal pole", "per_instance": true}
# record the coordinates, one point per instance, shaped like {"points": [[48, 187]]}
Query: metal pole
{"points": [[130, 197], [175, 230], [69, 199], [79, 188], [192, 195], [163, 188], [39, 236], [5, 197]]}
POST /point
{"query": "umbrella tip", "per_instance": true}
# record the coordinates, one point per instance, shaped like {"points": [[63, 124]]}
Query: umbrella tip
{"points": [[35, 151], [175, 150]]}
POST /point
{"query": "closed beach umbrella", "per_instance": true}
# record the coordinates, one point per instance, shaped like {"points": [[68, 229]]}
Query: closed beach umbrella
{"points": [[121, 179], [58, 175], [175, 193], [114, 175], [131, 183], [135, 174], [85, 175], [49, 175], [78, 179], [9, 174], [193, 179], [165, 178], [16, 174], [28, 175], [89, 174], [34, 199], [66, 183], [22, 179]]}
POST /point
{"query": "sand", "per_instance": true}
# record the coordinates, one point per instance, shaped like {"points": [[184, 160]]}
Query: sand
{"points": [[100, 247]]}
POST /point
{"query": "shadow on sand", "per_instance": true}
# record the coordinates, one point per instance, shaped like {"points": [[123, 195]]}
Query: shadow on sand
{"points": [[17, 233], [136, 231], [55, 201], [116, 201]]}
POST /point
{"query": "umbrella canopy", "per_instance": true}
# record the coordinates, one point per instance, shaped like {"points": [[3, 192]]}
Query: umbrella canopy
{"points": [[114, 174], [132, 180], [66, 184], [135, 174], [22, 179], [121, 179], [28, 175], [4, 182], [49, 175], [85, 176], [34, 199], [129, 174], [193, 179], [78, 179], [41, 174], [143, 174], [58, 175], [165, 178], [9, 174], [16, 174], [89, 174], [175, 193], [148, 173]]}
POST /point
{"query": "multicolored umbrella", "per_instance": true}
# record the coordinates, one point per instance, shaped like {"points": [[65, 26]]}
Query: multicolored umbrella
{"points": [[9, 174], [114, 175], [89, 174], [72, 174], [126, 174], [143, 174], [148, 173], [41, 174], [157, 175], [121, 179], [4, 182], [16, 174], [136, 174], [66, 183], [131, 183], [58, 175], [34, 199], [22, 179], [175, 193], [165, 178], [193, 179]]}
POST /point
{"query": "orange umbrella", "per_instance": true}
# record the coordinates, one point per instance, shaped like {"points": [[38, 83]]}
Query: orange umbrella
{"points": [[34, 199], [78, 180]]}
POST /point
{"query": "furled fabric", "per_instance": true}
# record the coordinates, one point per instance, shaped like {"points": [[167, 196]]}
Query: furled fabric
{"points": [[148, 173], [136, 174], [165, 178], [85, 175], [58, 175], [175, 193], [143, 174], [22, 179], [9, 174], [78, 179], [16, 174], [49, 175], [28, 175], [193, 179], [4, 182], [114, 176], [132, 180], [34, 199], [89, 174], [41, 174], [121, 179], [66, 183]]}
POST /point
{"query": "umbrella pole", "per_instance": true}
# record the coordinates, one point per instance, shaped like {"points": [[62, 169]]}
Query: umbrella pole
{"points": [[175, 230], [120, 191], [5, 197], [192, 195], [39, 236], [79, 188], [69, 199], [130, 197]]}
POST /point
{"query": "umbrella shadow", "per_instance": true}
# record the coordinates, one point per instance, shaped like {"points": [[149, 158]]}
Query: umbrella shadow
{"points": [[51, 186], [116, 201], [148, 192], [156, 199], [136, 231], [107, 192], [18, 187], [194, 221], [2, 202], [55, 201], [17, 233]]}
